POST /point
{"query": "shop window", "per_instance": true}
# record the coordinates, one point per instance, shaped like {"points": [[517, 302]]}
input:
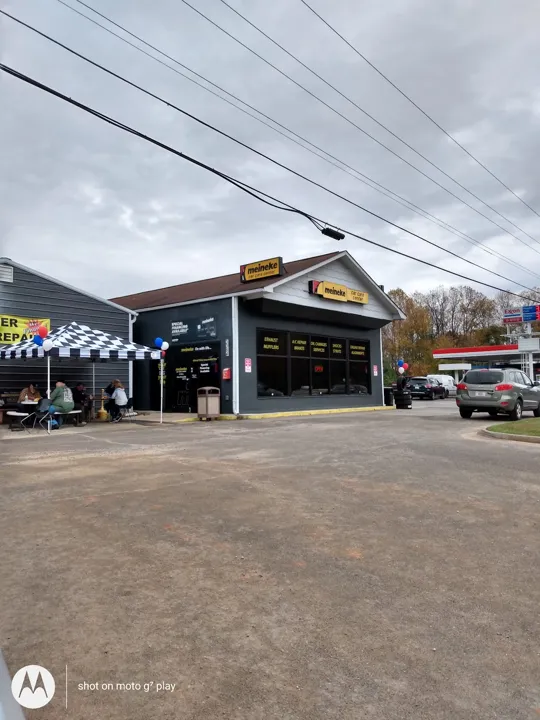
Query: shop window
{"points": [[299, 345], [338, 377], [271, 342], [358, 350], [320, 377], [337, 348], [300, 379], [272, 376], [359, 378], [319, 347]]}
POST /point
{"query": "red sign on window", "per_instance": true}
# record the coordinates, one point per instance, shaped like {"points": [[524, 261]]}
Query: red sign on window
{"points": [[318, 368]]}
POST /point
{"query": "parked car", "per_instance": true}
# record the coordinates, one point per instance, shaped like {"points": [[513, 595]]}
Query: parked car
{"points": [[427, 388], [447, 381], [507, 391]]}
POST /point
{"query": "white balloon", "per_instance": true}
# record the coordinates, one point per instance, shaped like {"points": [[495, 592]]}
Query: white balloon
{"points": [[400, 369], [164, 345], [48, 345]]}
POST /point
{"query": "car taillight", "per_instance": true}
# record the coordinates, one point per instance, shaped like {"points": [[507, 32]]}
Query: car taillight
{"points": [[503, 386], [461, 386]]}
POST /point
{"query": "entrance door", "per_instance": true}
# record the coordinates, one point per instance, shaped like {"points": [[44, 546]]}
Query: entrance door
{"points": [[189, 368]]}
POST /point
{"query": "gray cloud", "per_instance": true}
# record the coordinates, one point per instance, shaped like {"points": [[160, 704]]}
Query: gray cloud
{"points": [[107, 212]]}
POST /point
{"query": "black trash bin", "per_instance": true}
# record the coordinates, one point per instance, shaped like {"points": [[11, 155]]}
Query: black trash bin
{"points": [[389, 396]]}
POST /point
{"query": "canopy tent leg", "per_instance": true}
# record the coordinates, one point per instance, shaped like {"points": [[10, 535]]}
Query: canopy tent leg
{"points": [[161, 394], [48, 376]]}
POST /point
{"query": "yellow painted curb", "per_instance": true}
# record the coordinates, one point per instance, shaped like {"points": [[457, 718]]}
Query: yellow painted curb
{"points": [[320, 411]]}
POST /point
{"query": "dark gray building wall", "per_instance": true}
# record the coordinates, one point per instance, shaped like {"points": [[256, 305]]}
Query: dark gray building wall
{"points": [[158, 323], [35, 297], [250, 319]]}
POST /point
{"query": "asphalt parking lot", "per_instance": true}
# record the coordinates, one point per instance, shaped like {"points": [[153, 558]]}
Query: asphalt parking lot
{"points": [[379, 565]]}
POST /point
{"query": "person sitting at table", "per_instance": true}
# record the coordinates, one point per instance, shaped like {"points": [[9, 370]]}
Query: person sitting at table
{"points": [[29, 393], [109, 403], [83, 402], [61, 401], [120, 400]]}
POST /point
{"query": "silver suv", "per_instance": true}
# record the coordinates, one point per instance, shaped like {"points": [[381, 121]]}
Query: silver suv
{"points": [[506, 391]]}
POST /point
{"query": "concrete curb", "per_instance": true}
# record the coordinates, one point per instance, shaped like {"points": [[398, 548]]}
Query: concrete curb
{"points": [[306, 413], [509, 436]]}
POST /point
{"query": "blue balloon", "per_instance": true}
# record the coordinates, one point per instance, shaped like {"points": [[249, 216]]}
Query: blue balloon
{"points": [[38, 340], [158, 342], [400, 363]]}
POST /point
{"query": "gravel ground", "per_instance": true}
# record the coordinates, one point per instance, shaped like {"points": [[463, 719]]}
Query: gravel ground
{"points": [[345, 567]]}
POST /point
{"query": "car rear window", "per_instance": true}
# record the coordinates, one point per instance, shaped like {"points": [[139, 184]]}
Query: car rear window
{"points": [[419, 380], [483, 377]]}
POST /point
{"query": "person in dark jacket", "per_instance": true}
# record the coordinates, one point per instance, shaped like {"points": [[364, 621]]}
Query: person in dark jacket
{"points": [[83, 402]]}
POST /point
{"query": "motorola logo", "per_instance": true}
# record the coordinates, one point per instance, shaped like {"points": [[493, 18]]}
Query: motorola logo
{"points": [[33, 686]]}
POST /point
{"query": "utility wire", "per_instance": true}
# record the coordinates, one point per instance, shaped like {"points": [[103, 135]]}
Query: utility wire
{"points": [[250, 190], [365, 179], [248, 147], [414, 104], [386, 147]]}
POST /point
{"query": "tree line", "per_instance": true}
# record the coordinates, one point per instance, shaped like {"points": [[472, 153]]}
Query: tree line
{"points": [[457, 316]]}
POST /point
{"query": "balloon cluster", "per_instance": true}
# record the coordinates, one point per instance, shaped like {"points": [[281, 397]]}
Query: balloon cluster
{"points": [[402, 366], [162, 344], [41, 340]]}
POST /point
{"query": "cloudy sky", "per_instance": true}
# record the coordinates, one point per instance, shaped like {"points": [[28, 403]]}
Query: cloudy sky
{"points": [[110, 213]]}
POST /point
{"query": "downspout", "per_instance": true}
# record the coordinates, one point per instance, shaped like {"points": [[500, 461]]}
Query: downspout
{"points": [[235, 357], [132, 319]]}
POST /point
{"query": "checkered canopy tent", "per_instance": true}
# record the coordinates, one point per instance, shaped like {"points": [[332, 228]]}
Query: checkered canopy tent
{"points": [[80, 341]]}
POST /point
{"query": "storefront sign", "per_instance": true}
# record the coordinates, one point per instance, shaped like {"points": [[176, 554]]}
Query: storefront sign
{"points": [[261, 269], [333, 291], [299, 345], [247, 365], [14, 329], [202, 328]]}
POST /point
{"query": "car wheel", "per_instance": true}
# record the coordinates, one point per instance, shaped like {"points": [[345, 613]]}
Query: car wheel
{"points": [[517, 412], [537, 412], [444, 395], [465, 413], [432, 396]]}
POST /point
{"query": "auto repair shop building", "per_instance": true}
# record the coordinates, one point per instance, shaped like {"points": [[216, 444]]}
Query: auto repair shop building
{"points": [[273, 337]]}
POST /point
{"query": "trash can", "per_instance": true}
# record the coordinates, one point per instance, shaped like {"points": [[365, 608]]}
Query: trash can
{"points": [[208, 403], [389, 396]]}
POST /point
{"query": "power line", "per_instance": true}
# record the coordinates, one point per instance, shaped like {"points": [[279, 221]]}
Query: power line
{"points": [[250, 190], [248, 147], [378, 187], [420, 109], [386, 147]]}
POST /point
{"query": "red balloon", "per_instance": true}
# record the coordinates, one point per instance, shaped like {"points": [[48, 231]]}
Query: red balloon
{"points": [[42, 331], [163, 353], [406, 366]]}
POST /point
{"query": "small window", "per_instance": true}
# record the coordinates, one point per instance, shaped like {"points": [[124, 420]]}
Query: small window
{"points": [[299, 345], [320, 377], [337, 348], [338, 377], [526, 380], [300, 379], [319, 347], [271, 342], [357, 350], [271, 376], [359, 380]]}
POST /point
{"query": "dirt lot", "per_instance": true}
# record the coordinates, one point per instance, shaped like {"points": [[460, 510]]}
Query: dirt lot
{"points": [[380, 566]]}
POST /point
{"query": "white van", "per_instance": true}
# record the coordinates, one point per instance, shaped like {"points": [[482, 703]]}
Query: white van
{"points": [[448, 382]]}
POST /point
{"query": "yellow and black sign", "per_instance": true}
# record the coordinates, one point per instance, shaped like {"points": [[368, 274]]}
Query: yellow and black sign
{"points": [[333, 291], [261, 269], [14, 329]]}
